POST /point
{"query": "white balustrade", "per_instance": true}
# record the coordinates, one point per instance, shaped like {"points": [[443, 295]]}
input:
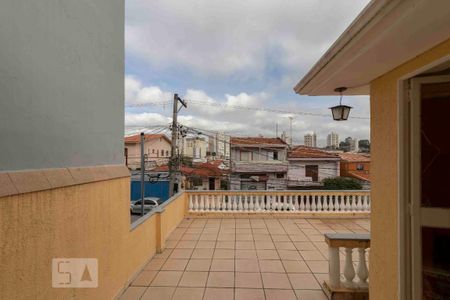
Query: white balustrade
{"points": [[280, 201], [348, 242]]}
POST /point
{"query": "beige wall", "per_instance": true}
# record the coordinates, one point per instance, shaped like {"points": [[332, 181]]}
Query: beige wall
{"points": [[384, 251], [157, 145], [88, 220]]}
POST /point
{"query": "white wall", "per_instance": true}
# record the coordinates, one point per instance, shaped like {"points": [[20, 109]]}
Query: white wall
{"points": [[61, 83], [296, 169]]}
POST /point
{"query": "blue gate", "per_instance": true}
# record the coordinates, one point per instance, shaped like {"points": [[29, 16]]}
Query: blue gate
{"points": [[158, 189]]}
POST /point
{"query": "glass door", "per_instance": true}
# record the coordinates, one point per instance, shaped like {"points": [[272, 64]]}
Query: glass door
{"points": [[430, 187]]}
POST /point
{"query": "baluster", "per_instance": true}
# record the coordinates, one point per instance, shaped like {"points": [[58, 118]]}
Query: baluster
{"points": [[224, 203], [331, 206], [191, 203], [302, 202], [229, 203], [207, 203], [239, 199], [313, 203], [213, 203], [245, 203], [266, 203], [341, 203], [202, 202], [358, 203], [307, 203], [354, 206], [334, 268], [218, 203], [257, 207], [272, 202], [296, 206], [319, 202], [251, 206], [366, 203], [349, 270], [196, 203], [325, 202], [235, 205], [362, 271], [349, 205]]}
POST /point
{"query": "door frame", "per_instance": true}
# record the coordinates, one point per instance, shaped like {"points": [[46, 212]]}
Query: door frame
{"points": [[410, 285]]}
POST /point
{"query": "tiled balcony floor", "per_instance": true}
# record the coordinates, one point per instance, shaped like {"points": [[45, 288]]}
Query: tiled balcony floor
{"points": [[242, 259]]}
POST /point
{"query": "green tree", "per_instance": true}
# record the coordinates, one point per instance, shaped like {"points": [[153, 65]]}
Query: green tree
{"points": [[341, 183]]}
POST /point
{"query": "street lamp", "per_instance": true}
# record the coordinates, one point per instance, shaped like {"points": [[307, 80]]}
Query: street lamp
{"points": [[340, 112]]}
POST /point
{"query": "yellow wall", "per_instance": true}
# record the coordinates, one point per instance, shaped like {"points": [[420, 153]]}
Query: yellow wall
{"points": [[384, 174], [89, 220]]}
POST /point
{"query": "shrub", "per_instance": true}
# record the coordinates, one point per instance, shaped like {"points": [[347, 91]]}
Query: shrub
{"points": [[341, 183]]}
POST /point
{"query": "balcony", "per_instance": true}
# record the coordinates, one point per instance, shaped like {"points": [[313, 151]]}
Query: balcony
{"points": [[257, 245]]}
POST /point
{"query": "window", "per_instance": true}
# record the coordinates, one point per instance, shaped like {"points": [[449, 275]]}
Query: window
{"points": [[359, 167], [157, 152], [153, 151], [246, 155], [167, 153], [280, 175], [275, 155], [313, 172]]}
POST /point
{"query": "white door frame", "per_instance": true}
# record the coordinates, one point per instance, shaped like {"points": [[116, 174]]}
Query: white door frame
{"points": [[411, 215]]}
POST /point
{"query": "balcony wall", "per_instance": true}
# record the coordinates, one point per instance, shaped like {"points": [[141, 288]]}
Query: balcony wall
{"points": [[75, 213]]}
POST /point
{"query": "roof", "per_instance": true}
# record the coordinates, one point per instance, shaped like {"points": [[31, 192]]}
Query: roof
{"points": [[360, 176], [383, 36], [310, 152], [135, 139], [354, 157], [201, 170], [250, 141]]}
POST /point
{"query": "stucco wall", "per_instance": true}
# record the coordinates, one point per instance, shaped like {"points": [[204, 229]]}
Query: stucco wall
{"points": [[61, 83], [384, 251], [89, 220]]}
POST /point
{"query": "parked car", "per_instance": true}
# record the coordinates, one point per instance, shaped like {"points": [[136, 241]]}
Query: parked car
{"points": [[149, 204]]}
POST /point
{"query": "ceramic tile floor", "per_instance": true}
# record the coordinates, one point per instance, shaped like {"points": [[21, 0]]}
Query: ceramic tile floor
{"points": [[249, 259]]}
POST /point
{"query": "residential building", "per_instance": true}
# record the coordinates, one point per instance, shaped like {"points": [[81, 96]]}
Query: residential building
{"points": [[219, 144], [309, 166], [258, 163], [203, 176], [398, 53], [357, 166], [157, 150], [310, 140], [196, 148], [333, 140]]}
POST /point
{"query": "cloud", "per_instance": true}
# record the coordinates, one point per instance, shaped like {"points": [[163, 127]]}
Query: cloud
{"points": [[136, 94], [219, 38], [228, 114]]}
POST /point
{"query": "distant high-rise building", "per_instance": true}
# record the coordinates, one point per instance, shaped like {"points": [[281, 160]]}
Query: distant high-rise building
{"points": [[310, 140], [333, 140], [352, 144]]}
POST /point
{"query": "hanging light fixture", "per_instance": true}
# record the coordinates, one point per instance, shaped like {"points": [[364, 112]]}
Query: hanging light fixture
{"points": [[340, 112]]}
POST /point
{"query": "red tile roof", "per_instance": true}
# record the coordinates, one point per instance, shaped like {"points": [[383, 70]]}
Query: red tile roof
{"points": [[361, 176], [201, 170], [257, 141], [134, 139], [354, 157], [310, 152]]}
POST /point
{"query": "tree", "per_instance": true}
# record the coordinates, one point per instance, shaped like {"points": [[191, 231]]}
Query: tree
{"points": [[364, 145], [341, 183]]}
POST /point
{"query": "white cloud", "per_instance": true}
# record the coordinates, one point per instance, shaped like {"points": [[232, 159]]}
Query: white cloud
{"points": [[218, 38], [136, 94], [208, 113]]}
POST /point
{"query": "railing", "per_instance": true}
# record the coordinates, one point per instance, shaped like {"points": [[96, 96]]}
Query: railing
{"points": [[348, 242], [279, 201]]}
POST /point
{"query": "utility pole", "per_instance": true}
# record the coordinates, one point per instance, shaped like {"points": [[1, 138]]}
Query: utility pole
{"points": [[174, 167], [142, 173]]}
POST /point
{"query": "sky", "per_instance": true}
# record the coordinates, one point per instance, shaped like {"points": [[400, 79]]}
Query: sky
{"points": [[221, 54]]}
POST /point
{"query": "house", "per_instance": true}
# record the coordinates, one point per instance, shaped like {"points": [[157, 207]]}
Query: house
{"points": [[203, 176], [195, 147], [157, 149], [258, 163], [357, 166], [398, 52], [309, 166]]}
